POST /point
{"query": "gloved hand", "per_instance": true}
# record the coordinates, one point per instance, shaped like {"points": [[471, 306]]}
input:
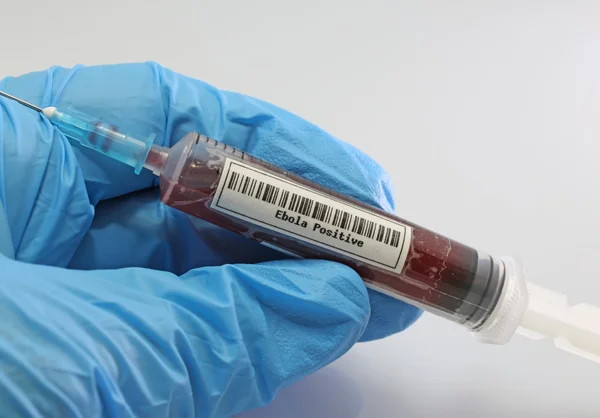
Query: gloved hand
{"points": [[112, 304]]}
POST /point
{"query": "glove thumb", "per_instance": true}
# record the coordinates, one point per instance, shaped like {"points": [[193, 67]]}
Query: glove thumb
{"points": [[136, 342]]}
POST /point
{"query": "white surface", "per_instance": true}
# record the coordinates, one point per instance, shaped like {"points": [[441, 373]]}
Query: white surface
{"points": [[496, 102]]}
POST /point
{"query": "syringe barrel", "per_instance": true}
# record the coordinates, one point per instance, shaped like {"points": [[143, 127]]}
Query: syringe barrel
{"points": [[227, 187]]}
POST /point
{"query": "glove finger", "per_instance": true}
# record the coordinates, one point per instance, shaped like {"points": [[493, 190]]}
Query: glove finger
{"points": [[144, 98], [43, 195], [388, 316], [137, 342], [145, 233]]}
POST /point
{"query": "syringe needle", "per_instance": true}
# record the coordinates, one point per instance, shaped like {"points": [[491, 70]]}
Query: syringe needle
{"points": [[23, 102]]}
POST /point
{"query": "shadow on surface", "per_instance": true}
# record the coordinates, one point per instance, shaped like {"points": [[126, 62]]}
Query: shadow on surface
{"points": [[329, 393]]}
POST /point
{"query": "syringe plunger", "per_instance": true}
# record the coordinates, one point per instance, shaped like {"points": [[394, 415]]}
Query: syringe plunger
{"points": [[575, 329], [538, 313]]}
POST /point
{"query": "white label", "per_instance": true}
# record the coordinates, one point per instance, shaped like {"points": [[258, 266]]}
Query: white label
{"points": [[249, 193]]}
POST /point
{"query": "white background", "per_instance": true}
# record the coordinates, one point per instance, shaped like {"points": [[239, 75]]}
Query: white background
{"points": [[492, 109]]}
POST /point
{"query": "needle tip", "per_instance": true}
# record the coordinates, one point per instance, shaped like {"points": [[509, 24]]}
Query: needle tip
{"points": [[21, 101]]}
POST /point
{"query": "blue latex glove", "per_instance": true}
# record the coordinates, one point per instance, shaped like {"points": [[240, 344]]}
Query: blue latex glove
{"points": [[113, 305]]}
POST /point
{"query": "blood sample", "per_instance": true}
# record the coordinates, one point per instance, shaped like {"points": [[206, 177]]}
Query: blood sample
{"points": [[227, 187]]}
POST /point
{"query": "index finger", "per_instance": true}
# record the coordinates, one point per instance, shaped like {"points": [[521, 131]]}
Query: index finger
{"points": [[148, 98]]}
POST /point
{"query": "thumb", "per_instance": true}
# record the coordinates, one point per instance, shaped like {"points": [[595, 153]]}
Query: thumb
{"points": [[135, 342]]}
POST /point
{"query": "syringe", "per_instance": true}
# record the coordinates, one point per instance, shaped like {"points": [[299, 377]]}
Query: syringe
{"points": [[227, 187]]}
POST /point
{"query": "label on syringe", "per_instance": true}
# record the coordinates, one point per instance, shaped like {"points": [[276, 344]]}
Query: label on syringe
{"points": [[249, 193]]}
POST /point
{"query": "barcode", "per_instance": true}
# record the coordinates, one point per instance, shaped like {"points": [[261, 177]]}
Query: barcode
{"points": [[305, 206]]}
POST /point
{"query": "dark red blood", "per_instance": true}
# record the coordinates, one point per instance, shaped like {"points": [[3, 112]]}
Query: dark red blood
{"points": [[438, 272]]}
